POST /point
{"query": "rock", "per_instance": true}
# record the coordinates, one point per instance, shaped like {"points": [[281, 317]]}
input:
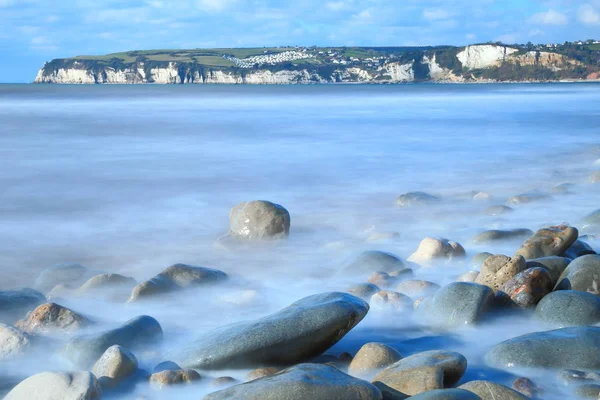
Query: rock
{"points": [[588, 390], [527, 198], [382, 279], [174, 377], [563, 188], [387, 301], [591, 220], [52, 318], [57, 385], [487, 390], [416, 288], [259, 219], [166, 366], [582, 274], [500, 235], [595, 177], [116, 364], [402, 274], [577, 249], [72, 275], [372, 357], [176, 277], [547, 242], [261, 373], [569, 308], [527, 288], [304, 329], [566, 348], [458, 303], [469, 276], [109, 286], [570, 377], [482, 197], [13, 342], [223, 382], [14, 304], [423, 372], [432, 249], [446, 394], [303, 381], [84, 350], [479, 258], [363, 290], [554, 265], [499, 269], [374, 261], [413, 199], [497, 210], [388, 393], [526, 387]]}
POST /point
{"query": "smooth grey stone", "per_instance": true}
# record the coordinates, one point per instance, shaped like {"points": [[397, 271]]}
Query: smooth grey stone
{"points": [[412, 199], [295, 334], [415, 288], [569, 308], [112, 287], [582, 274], [84, 350], [566, 348], [372, 357], [577, 249], [259, 219], [498, 210], [177, 277], [456, 304], [487, 390], [363, 290], [303, 381], [375, 261], [588, 391], [424, 371], [70, 274], [469, 276], [57, 385], [446, 394], [14, 304], [116, 364], [527, 198], [526, 387], [166, 366], [552, 241], [388, 393], [171, 377], [494, 235], [555, 265]]}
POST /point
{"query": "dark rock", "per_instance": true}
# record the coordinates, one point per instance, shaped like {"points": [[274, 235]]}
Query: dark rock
{"points": [[84, 350], [500, 235], [259, 219], [577, 249], [297, 333], [588, 391], [526, 289], [374, 261], [569, 308], [303, 381], [492, 391], [527, 388], [412, 199], [57, 385], [546, 242], [14, 304], [554, 264], [582, 274]]}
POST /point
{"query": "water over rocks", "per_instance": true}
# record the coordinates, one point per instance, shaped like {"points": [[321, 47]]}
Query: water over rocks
{"points": [[413, 199], [487, 390], [375, 261]]}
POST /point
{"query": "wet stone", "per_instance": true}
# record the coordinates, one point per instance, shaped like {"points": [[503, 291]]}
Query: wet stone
{"points": [[552, 241], [374, 261], [582, 274], [526, 289], [502, 235], [57, 385], [569, 308], [498, 210], [52, 318], [487, 390], [498, 270], [14, 304], [413, 199], [372, 357], [527, 388], [415, 288], [387, 301], [437, 249], [363, 290], [554, 265], [259, 219]]}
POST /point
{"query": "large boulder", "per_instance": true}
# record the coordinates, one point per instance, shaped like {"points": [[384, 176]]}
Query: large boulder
{"points": [[446, 394], [566, 348], [437, 249], [495, 235], [456, 304], [70, 274], [552, 241], [84, 350], [487, 390], [116, 364], [295, 334], [423, 372], [176, 277], [374, 261], [303, 381], [526, 288], [582, 274], [53, 318], [554, 264], [57, 385], [259, 219], [569, 308], [14, 304], [412, 199], [13, 342], [499, 269], [372, 357]]}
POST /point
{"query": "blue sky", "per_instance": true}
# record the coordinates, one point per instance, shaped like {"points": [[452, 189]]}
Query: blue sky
{"points": [[34, 31]]}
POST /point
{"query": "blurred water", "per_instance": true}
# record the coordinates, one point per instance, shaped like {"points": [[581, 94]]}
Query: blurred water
{"points": [[131, 179]]}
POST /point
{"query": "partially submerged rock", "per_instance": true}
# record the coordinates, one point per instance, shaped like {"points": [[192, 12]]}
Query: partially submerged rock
{"points": [[57, 385], [498, 210], [388, 301], [259, 219], [577, 249], [363, 290], [547, 242], [374, 261], [595, 177], [494, 235], [527, 198], [116, 364], [569, 308], [108, 286], [372, 357], [166, 378], [69, 274], [499, 269], [469, 276], [13, 342], [487, 390], [416, 288], [14, 304], [433, 249], [554, 265], [303, 381], [297, 333], [446, 394], [177, 277], [412, 199], [582, 274], [53, 318]]}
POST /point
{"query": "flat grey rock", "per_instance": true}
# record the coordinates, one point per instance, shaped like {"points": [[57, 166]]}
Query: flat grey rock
{"points": [[14, 304], [57, 385], [302, 382], [569, 308], [582, 274], [566, 348], [295, 334], [577, 249], [84, 350]]}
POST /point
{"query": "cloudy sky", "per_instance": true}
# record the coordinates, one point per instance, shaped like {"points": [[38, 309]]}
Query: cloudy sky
{"points": [[34, 31]]}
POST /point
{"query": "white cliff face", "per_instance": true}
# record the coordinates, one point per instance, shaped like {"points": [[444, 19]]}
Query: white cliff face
{"points": [[439, 73], [399, 72], [76, 75], [169, 74], [484, 56]]}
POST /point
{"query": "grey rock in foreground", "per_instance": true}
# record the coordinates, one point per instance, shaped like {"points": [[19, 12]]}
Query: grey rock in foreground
{"points": [[374, 261], [423, 372], [566, 348], [259, 219], [84, 350], [57, 385], [412, 199], [116, 364], [487, 390], [552, 241], [304, 381], [14, 304], [569, 308], [297, 333], [53, 318], [458, 303], [176, 277], [446, 394], [582, 274]]}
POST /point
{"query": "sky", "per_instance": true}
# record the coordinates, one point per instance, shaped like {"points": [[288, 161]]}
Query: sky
{"points": [[35, 31]]}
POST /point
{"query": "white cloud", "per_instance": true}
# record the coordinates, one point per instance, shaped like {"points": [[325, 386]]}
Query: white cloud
{"points": [[436, 14], [508, 38], [588, 14], [363, 17], [550, 17], [214, 5], [335, 5]]}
